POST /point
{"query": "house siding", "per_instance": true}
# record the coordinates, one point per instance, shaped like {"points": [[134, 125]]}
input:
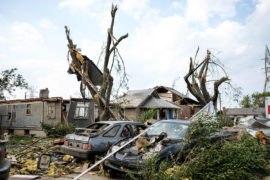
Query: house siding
{"points": [[22, 120], [58, 110], [131, 114]]}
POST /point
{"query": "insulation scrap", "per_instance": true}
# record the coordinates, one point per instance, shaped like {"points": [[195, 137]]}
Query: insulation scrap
{"points": [[263, 138], [67, 158]]}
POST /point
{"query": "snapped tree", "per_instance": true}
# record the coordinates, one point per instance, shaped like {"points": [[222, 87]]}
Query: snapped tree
{"points": [[9, 81], [198, 75], [103, 93]]}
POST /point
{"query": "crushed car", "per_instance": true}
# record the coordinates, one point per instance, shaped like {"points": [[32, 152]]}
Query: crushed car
{"points": [[96, 139], [164, 139]]}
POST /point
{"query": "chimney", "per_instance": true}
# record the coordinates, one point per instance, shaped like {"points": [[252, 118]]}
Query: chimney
{"points": [[44, 93]]}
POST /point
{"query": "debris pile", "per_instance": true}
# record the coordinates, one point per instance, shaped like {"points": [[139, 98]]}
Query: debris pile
{"points": [[42, 158]]}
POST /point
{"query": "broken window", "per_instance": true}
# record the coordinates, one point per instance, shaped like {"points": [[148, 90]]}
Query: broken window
{"points": [[173, 130], [28, 109], [126, 131], [137, 129], [11, 112], [81, 110], [112, 132], [51, 110]]}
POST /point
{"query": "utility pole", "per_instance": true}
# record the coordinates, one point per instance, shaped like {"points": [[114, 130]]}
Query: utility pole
{"points": [[266, 68]]}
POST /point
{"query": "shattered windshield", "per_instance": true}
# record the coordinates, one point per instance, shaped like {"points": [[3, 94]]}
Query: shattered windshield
{"points": [[174, 130]]}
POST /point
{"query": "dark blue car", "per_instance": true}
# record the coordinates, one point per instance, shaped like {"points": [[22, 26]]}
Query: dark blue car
{"points": [[164, 139]]}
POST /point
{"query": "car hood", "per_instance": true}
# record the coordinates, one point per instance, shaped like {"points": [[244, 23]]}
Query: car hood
{"points": [[144, 148]]}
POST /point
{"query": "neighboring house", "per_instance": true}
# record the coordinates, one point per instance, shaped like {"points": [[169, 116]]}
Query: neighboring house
{"points": [[242, 114], [188, 106], [80, 113], [24, 117], [135, 102]]}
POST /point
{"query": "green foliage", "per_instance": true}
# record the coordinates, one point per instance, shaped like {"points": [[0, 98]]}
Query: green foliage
{"points": [[224, 121], [242, 159], [255, 100], [20, 139], [155, 170], [58, 130], [9, 81], [246, 102], [148, 114]]}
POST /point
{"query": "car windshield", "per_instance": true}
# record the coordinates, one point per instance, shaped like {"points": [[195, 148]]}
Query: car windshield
{"points": [[174, 130]]}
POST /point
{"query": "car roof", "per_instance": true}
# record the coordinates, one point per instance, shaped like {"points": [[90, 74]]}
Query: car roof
{"points": [[176, 121], [120, 122]]}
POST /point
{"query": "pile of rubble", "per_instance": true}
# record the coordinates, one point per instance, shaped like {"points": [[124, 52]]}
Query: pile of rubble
{"points": [[29, 159]]}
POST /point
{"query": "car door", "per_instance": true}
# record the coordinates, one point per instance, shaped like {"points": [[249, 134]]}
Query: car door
{"points": [[108, 137]]}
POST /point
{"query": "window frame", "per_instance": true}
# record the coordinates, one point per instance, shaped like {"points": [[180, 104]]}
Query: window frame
{"points": [[85, 107], [119, 127], [11, 111], [28, 107], [53, 106]]}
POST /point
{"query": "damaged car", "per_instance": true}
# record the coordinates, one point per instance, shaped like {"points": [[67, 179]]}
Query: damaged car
{"points": [[85, 143], [162, 140]]}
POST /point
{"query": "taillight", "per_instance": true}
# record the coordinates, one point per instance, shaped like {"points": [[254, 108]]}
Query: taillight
{"points": [[66, 143], [85, 146]]}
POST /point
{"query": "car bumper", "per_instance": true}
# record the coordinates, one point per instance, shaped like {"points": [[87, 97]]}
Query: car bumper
{"points": [[124, 167], [76, 152]]}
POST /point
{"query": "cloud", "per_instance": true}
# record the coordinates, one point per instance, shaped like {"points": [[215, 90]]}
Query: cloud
{"points": [[177, 5], [204, 9], [25, 31], [160, 48], [47, 24], [77, 4], [135, 7]]}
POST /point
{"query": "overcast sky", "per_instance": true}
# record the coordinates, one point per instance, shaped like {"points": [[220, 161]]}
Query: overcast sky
{"points": [[162, 37]]}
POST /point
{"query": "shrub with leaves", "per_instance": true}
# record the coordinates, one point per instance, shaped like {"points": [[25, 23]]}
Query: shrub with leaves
{"points": [[242, 159], [57, 130], [148, 114]]}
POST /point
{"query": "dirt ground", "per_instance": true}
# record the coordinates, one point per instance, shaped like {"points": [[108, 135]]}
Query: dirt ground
{"points": [[85, 177]]}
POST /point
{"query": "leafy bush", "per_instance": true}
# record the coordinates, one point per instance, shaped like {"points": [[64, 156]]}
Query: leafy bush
{"points": [[148, 114], [57, 130], [242, 159], [224, 121]]}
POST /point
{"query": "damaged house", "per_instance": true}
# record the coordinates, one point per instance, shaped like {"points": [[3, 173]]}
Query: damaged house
{"points": [[188, 106], [25, 116], [80, 113], [243, 114], [135, 102]]}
